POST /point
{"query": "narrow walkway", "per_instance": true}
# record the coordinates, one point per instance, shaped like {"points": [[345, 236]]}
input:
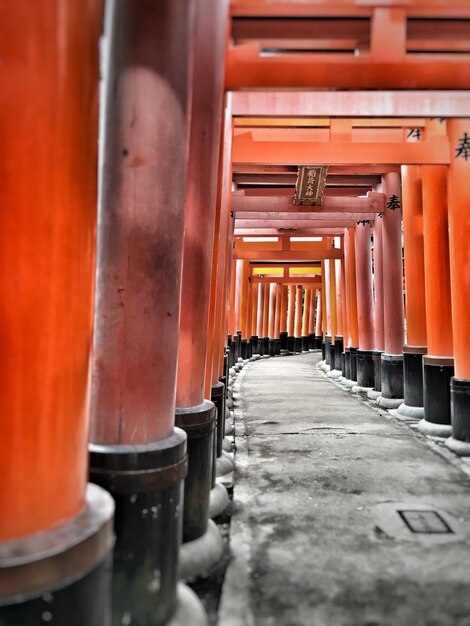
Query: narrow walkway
{"points": [[316, 536]]}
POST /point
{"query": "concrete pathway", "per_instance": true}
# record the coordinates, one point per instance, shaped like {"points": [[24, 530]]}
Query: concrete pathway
{"points": [[316, 535]]}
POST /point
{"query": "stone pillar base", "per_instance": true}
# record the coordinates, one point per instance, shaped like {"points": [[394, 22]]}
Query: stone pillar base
{"points": [[63, 575], [413, 377], [392, 378], [352, 352], [437, 375], [283, 340], [146, 482], [189, 609], [377, 359], [298, 345], [460, 416], [434, 430], [338, 353], [198, 557], [365, 369]]}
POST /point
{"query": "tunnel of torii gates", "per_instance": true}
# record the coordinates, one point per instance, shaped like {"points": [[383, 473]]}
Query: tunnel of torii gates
{"points": [[119, 324]]}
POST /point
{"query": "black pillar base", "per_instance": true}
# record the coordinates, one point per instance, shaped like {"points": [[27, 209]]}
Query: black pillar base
{"points": [[377, 358], [318, 342], [460, 409], [146, 482], [277, 347], [232, 355], [339, 346], [437, 375], [328, 351], [311, 341], [291, 344], [347, 363], [218, 398], [243, 349], [265, 345], [62, 576], [254, 345], [352, 352], [323, 351], [272, 350], [226, 366], [365, 368], [413, 375], [249, 349], [199, 425], [392, 375], [283, 340], [298, 344], [305, 343], [238, 347], [332, 356]]}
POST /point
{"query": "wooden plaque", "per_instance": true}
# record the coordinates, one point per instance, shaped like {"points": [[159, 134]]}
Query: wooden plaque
{"points": [[311, 180]]}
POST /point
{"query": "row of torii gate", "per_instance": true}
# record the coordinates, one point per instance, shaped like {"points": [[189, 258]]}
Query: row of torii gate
{"points": [[119, 324]]}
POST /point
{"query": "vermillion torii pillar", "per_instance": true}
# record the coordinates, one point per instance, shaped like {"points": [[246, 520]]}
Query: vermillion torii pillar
{"points": [[305, 319], [136, 451], [254, 318], [56, 531], [277, 320], [364, 362], [459, 235], [392, 357], [259, 317], [378, 307], [272, 317], [291, 319], [415, 303], [266, 320], [298, 319], [351, 303], [327, 329], [283, 321], [339, 338], [311, 320], [196, 415], [318, 321], [438, 364]]}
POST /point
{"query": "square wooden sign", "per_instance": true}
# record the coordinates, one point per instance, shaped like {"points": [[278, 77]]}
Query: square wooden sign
{"points": [[311, 180]]}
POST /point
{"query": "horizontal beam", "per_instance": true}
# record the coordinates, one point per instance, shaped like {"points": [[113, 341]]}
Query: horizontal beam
{"points": [[293, 224], [372, 203], [280, 232], [247, 68], [256, 264], [335, 172], [291, 255], [246, 150], [351, 103], [269, 192], [311, 217], [291, 280]]}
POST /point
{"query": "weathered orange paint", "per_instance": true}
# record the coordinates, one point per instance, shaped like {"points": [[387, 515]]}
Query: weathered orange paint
{"points": [[378, 286], [339, 298], [459, 236], [202, 224], [244, 299], [306, 312], [392, 269], [291, 311], [319, 317], [277, 317], [283, 313], [415, 301], [259, 318], [254, 308], [49, 87], [437, 263], [231, 307], [311, 318], [266, 311], [350, 260], [272, 309], [365, 316], [298, 311]]}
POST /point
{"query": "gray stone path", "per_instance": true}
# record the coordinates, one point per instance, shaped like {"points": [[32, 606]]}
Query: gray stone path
{"points": [[316, 536]]}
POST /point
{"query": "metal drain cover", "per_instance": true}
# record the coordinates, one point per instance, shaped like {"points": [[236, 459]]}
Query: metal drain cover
{"points": [[427, 522], [416, 521]]}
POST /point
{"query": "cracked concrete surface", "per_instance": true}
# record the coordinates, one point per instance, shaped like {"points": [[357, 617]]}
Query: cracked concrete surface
{"points": [[312, 543]]}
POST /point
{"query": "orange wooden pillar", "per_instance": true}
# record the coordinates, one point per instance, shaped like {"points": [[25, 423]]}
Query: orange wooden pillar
{"points": [[344, 309], [328, 338], [232, 326], [364, 362], [438, 364], [415, 302], [298, 318], [311, 320], [392, 357], [277, 320], [265, 334], [305, 319], [243, 325], [324, 316], [339, 337], [378, 306], [137, 305], [254, 309], [283, 334], [201, 417], [272, 316], [351, 305], [318, 321], [459, 236], [291, 319], [259, 317], [332, 299], [49, 86]]}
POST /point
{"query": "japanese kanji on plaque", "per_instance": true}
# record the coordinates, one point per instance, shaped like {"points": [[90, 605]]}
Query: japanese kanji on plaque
{"points": [[311, 180]]}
